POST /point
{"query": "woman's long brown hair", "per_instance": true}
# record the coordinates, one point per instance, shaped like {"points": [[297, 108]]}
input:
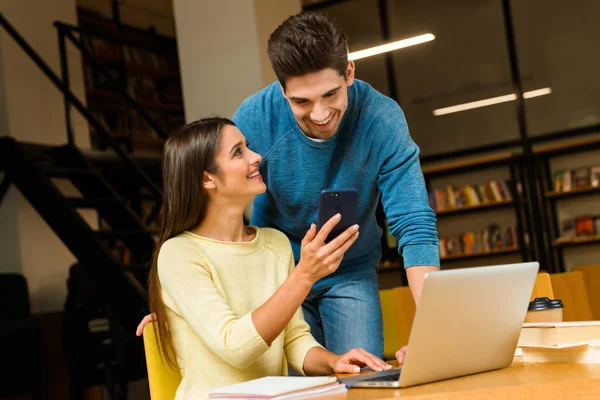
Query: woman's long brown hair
{"points": [[188, 153]]}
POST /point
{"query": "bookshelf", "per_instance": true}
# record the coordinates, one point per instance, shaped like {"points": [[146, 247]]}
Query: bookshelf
{"points": [[488, 209], [479, 203], [480, 254], [477, 207], [140, 63], [570, 174], [575, 192], [575, 241]]}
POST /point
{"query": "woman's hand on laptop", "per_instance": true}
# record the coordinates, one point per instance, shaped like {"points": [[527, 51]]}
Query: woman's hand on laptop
{"points": [[401, 355], [354, 360], [147, 319]]}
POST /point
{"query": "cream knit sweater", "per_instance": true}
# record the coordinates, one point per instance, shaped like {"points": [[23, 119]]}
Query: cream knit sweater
{"points": [[210, 289]]}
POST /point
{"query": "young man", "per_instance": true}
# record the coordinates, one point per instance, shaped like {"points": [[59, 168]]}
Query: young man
{"points": [[320, 128]]}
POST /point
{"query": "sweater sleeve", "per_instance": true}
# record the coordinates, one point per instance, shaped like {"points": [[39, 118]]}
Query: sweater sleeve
{"points": [[193, 295], [404, 196], [298, 340]]}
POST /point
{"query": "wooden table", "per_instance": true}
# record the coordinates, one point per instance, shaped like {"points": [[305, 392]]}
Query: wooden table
{"points": [[518, 381]]}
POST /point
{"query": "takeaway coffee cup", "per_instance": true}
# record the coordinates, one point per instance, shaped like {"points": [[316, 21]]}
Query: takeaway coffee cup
{"points": [[542, 309]]}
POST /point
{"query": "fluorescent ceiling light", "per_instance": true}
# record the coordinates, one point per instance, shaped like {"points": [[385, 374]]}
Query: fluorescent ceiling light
{"points": [[490, 101], [384, 48], [536, 93]]}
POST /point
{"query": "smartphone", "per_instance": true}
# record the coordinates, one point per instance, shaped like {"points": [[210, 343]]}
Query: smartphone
{"points": [[333, 201]]}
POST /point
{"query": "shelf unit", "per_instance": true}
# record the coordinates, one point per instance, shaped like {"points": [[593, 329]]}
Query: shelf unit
{"points": [[142, 64], [467, 209], [514, 164], [544, 156]]}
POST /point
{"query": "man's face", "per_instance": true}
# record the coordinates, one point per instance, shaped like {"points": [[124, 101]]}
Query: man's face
{"points": [[319, 100]]}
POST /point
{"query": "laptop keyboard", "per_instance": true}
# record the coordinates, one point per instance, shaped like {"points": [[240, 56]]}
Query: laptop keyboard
{"points": [[386, 378]]}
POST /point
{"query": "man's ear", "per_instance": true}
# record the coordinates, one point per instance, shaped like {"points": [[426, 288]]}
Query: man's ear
{"points": [[208, 181], [350, 70]]}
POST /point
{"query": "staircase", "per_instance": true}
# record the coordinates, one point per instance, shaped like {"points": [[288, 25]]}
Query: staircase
{"points": [[36, 170], [33, 169], [116, 290]]}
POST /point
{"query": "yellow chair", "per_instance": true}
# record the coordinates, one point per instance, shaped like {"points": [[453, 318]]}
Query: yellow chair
{"points": [[542, 287], [570, 288], [163, 379], [391, 342], [405, 313], [591, 277]]}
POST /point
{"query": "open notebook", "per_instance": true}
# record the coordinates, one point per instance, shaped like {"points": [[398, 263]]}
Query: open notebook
{"points": [[279, 388]]}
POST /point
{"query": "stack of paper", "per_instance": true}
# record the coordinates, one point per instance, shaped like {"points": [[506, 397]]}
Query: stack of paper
{"points": [[279, 388]]}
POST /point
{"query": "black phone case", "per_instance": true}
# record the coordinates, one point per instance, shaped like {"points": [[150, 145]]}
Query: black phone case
{"points": [[333, 201]]}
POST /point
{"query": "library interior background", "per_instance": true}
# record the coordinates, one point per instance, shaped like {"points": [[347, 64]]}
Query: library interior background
{"points": [[502, 98]]}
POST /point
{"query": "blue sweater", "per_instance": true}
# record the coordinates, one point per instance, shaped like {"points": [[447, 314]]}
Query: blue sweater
{"points": [[372, 152]]}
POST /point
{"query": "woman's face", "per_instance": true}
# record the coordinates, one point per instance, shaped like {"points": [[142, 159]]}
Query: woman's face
{"points": [[238, 177]]}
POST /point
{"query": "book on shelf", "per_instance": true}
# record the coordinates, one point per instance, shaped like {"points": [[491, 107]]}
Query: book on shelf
{"points": [[557, 179], [472, 197], [451, 196], [101, 47], [597, 225], [469, 195], [505, 189], [583, 353], [431, 198], [142, 89], [569, 228], [492, 238], [440, 199], [567, 181], [453, 246], [496, 190], [581, 177], [482, 194], [595, 176], [585, 225], [553, 334], [461, 198], [279, 388], [443, 246], [137, 56], [97, 81]]}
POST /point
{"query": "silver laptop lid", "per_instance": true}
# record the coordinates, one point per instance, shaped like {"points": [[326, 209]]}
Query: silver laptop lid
{"points": [[468, 321]]}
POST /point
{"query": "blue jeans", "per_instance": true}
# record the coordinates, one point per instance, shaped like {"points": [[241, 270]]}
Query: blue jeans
{"points": [[346, 316]]}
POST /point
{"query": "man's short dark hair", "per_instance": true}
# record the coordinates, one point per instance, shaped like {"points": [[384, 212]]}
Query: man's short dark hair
{"points": [[305, 43]]}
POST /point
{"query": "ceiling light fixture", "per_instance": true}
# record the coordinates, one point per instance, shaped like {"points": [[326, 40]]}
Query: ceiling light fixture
{"points": [[490, 101], [384, 48]]}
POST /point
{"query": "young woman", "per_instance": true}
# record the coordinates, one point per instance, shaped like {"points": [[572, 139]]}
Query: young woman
{"points": [[227, 296]]}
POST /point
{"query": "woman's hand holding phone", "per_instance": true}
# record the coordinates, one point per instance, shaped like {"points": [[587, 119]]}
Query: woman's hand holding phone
{"points": [[319, 259]]}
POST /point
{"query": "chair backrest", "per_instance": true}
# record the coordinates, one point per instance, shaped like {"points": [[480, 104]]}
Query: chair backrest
{"points": [[163, 379], [591, 278], [390, 326], [570, 288], [405, 313], [542, 286]]}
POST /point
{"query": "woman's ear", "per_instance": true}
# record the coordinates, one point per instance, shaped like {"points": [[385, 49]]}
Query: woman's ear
{"points": [[208, 181]]}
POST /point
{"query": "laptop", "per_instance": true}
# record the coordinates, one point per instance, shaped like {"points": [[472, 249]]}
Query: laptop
{"points": [[468, 321]]}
